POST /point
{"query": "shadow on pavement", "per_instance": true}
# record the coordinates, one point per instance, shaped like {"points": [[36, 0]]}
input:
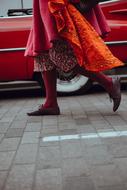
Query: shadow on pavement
{"points": [[39, 93]]}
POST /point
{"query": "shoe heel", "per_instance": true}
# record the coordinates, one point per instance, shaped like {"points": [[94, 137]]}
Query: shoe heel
{"points": [[116, 93]]}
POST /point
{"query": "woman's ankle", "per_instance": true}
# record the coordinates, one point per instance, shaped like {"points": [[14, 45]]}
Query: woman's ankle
{"points": [[50, 105]]}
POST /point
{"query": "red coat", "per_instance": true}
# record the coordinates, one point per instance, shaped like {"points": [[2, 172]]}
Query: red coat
{"points": [[97, 19], [43, 30]]}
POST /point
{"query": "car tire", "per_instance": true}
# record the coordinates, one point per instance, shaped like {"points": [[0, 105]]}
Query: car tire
{"points": [[72, 84], [67, 84]]}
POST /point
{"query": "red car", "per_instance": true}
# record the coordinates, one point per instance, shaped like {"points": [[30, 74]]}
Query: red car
{"points": [[14, 31]]}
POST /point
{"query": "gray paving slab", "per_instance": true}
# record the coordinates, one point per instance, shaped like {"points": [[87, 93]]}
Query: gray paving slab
{"points": [[26, 154], [78, 183], [20, 178], [9, 144], [6, 159], [48, 179]]}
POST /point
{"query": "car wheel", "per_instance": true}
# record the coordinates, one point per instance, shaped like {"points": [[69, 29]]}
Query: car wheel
{"points": [[69, 83]]}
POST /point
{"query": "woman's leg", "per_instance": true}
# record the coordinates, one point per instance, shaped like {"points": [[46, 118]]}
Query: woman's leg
{"points": [[50, 107], [112, 86], [49, 78], [100, 77]]}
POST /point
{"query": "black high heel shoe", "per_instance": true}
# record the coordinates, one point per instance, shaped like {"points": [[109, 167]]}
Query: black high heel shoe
{"points": [[115, 93]]}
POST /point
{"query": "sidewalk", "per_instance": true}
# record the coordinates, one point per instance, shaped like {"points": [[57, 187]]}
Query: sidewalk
{"points": [[85, 148]]}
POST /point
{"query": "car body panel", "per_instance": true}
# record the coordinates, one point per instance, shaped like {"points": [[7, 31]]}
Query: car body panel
{"points": [[116, 14], [117, 39], [115, 9], [14, 33]]}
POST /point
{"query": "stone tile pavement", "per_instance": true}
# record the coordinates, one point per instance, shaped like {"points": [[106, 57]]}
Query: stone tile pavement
{"points": [[85, 148]]}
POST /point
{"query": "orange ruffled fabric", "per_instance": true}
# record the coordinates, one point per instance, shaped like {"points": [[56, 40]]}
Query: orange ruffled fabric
{"points": [[90, 50]]}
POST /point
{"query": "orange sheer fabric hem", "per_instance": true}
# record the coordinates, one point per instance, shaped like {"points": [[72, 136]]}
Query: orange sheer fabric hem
{"points": [[90, 50]]}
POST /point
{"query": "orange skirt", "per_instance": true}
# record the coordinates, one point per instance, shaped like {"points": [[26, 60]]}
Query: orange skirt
{"points": [[89, 48]]}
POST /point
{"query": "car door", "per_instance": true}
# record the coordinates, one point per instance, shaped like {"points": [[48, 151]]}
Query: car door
{"points": [[14, 32]]}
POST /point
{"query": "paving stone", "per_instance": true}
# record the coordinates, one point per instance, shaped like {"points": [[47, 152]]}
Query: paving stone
{"points": [[121, 187], [97, 155], [6, 159], [90, 139], [75, 167], [4, 126], [121, 163], [8, 119], [3, 175], [49, 120], [86, 129], [18, 124], [120, 127], [34, 118], [118, 150], [26, 154], [78, 183], [48, 179], [67, 131], [126, 186], [64, 119], [49, 157], [20, 177], [67, 125], [30, 137], [9, 144], [49, 130], [113, 140], [82, 121], [106, 175], [12, 111], [115, 120], [71, 149], [101, 126], [14, 132], [1, 137], [33, 127], [21, 117], [3, 109]]}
